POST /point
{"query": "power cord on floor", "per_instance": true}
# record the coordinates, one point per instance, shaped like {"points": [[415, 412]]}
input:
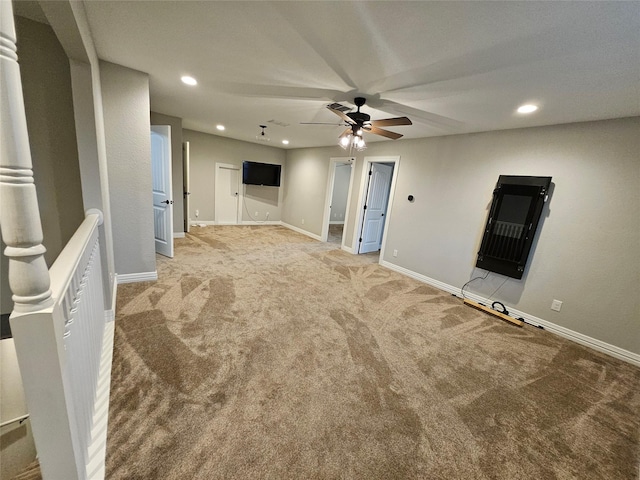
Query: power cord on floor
{"points": [[503, 309], [476, 278], [244, 194]]}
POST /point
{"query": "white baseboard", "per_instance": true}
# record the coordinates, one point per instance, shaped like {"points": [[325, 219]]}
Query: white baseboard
{"points": [[337, 222], [244, 222], [178, 234], [347, 249], [304, 232], [577, 337], [260, 222], [110, 315], [137, 277]]}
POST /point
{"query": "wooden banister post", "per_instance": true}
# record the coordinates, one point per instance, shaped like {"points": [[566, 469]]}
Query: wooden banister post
{"points": [[19, 213]]}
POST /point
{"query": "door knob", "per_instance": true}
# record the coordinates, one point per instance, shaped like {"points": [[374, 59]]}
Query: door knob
{"points": [[167, 202]]}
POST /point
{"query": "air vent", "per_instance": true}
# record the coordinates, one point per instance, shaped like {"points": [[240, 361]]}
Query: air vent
{"points": [[279, 123], [339, 107]]}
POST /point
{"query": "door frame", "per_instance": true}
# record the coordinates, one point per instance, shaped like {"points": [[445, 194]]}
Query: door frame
{"points": [[333, 163], [186, 185], [364, 183], [215, 192]]}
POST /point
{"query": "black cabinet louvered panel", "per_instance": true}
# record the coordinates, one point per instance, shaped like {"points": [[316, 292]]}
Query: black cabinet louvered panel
{"points": [[512, 223]]}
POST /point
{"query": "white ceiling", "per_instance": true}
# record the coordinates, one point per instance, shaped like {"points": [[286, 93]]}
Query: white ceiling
{"points": [[452, 67]]}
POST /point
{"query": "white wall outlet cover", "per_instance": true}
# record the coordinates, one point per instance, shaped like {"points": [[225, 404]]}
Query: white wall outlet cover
{"points": [[556, 305]]}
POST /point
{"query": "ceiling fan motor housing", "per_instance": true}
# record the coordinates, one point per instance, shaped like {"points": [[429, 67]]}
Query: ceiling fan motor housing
{"points": [[359, 117]]}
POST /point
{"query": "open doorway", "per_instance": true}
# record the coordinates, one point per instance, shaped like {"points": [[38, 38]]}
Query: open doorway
{"points": [[377, 189], [339, 184]]}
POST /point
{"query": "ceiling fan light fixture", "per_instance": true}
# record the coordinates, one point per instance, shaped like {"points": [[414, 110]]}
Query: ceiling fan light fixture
{"points": [[359, 122]]}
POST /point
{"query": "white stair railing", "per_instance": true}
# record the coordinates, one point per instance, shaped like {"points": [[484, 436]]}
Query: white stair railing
{"points": [[62, 342], [64, 354]]}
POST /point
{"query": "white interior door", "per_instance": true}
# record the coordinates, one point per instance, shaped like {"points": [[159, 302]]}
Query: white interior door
{"points": [[376, 207], [227, 194], [186, 189], [162, 195]]}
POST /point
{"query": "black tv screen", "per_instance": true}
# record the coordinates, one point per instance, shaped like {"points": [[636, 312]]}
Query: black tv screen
{"points": [[255, 173]]}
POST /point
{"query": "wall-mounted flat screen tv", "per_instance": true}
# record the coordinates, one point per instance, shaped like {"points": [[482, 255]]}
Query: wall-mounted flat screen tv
{"points": [[266, 174]]}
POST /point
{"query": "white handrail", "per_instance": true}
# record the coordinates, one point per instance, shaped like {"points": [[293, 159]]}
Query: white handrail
{"points": [[20, 419], [67, 261], [62, 374]]}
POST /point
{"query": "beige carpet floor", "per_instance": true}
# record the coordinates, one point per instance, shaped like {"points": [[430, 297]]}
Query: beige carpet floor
{"points": [[263, 354], [335, 233]]}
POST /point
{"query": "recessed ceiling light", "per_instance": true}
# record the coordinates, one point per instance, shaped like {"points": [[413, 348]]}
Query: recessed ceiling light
{"points": [[220, 127], [528, 108], [189, 80], [286, 142]]}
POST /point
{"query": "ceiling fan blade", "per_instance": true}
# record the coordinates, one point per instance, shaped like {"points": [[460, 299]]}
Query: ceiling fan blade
{"points": [[380, 131], [390, 122], [322, 123], [421, 116], [345, 133], [342, 115]]}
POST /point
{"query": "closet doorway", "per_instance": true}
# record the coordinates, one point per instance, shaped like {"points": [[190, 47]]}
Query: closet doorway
{"points": [[339, 184]]}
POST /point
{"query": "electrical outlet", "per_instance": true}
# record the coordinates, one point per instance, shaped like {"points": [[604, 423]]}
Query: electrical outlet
{"points": [[556, 305], [256, 214], [267, 215], [197, 213], [303, 221], [395, 253]]}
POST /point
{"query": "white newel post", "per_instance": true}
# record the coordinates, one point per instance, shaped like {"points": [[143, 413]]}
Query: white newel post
{"points": [[34, 332]]}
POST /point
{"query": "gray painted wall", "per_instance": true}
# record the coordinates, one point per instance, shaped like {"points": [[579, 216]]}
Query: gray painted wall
{"points": [[176, 166], [206, 150], [586, 253], [125, 97], [17, 448], [46, 84], [305, 189]]}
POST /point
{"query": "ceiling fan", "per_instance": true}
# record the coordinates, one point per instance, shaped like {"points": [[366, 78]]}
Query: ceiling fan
{"points": [[359, 122]]}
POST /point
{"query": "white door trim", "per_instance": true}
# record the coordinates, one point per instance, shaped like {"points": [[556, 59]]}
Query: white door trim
{"points": [[186, 185], [364, 181], [326, 219], [230, 166]]}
